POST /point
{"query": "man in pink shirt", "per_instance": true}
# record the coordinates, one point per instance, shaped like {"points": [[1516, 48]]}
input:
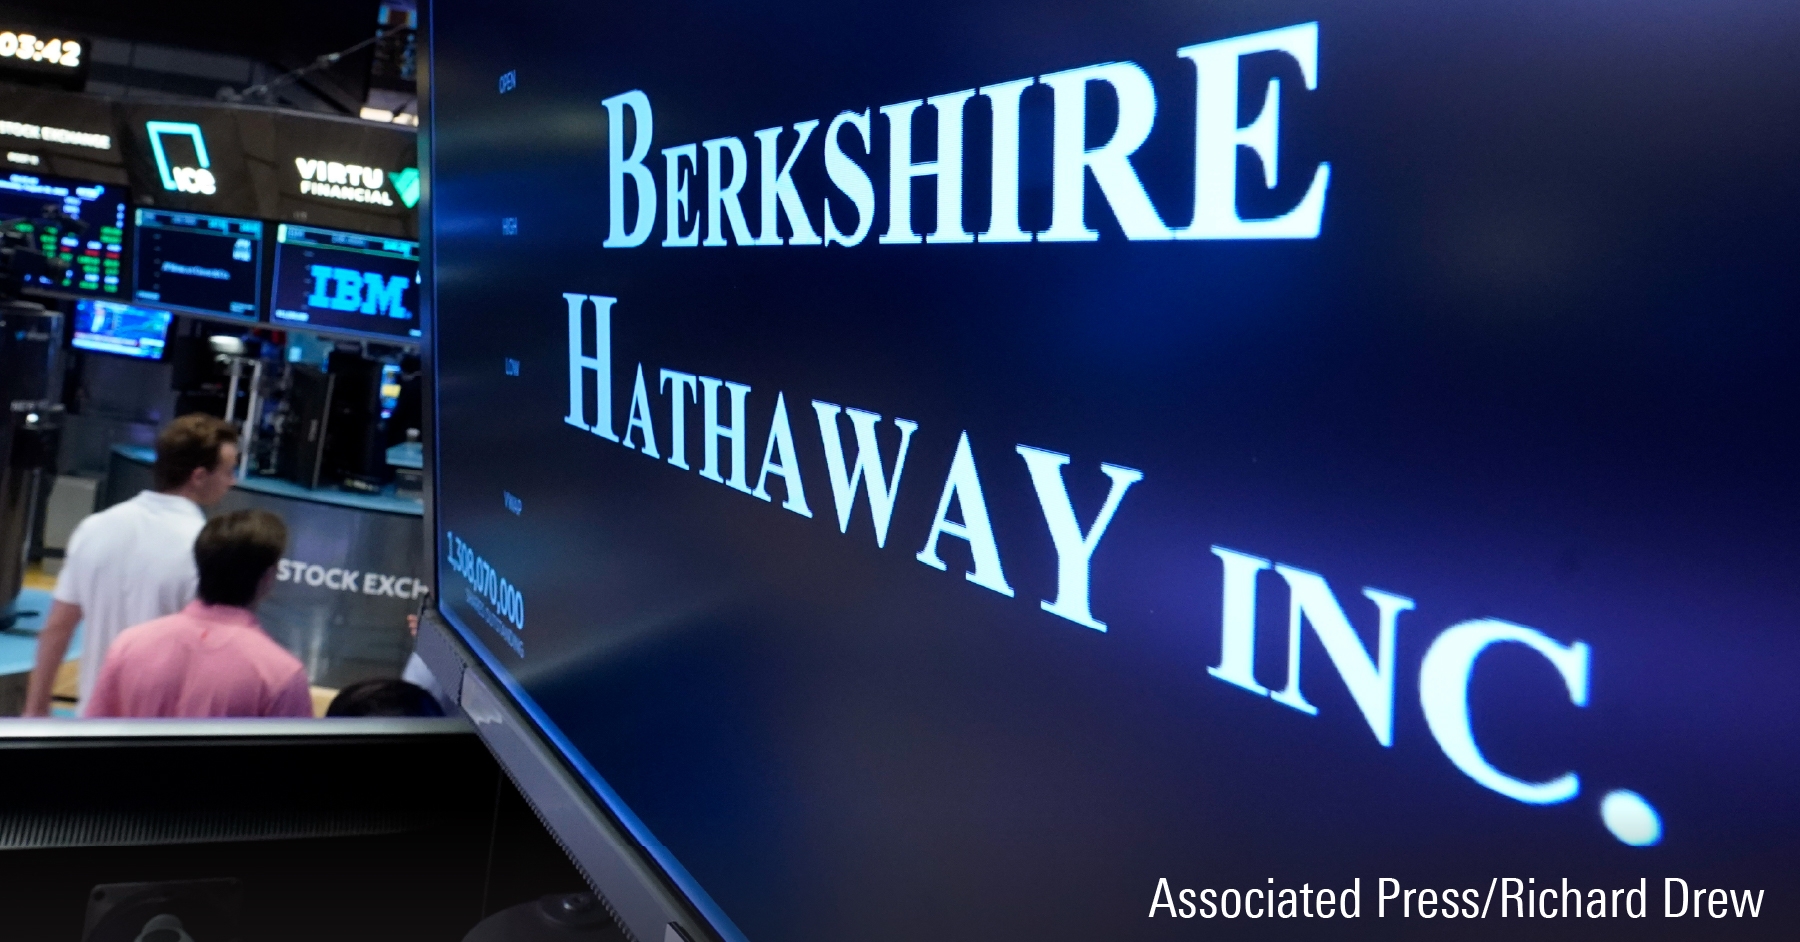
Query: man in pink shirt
{"points": [[211, 658]]}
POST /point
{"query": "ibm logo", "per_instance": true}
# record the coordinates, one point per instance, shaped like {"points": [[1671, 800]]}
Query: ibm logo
{"points": [[346, 289]]}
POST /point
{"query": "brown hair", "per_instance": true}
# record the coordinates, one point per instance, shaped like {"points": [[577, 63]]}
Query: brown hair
{"points": [[190, 442], [233, 552]]}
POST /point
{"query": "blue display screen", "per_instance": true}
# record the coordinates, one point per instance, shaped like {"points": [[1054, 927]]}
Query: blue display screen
{"points": [[346, 283], [124, 329], [1005, 470], [79, 223], [199, 264]]}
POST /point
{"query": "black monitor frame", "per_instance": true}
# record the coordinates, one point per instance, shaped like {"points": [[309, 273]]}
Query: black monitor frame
{"points": [[262, 270], [75, 328], [124, 293], [411, 811], [596, 829], [330, 330], [642, 896]]}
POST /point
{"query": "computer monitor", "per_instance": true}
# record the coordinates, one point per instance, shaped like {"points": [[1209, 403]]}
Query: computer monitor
{"points": [[1005, 470], [78, 222], [366, 829], [208, 265], [123, 329], [346, 283]]}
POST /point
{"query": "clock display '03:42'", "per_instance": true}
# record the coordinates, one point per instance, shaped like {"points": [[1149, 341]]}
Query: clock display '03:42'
{"points": [[63, 52]]}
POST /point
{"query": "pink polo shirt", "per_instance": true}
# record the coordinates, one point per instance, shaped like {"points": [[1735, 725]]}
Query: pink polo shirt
{"points": [[203, 661]]}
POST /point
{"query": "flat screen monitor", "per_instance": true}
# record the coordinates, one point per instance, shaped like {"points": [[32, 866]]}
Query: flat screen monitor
{"points": [[210, 265], [219, 829], [346, 283], [77, 222], [124, 329], [1138, 470]]}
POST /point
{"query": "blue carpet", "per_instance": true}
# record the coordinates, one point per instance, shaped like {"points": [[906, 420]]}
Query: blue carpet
{"points": [[18, 645]]}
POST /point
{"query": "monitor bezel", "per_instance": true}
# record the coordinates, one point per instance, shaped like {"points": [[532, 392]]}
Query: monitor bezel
{"points": [[350, 333], [127, 248], [263, 298], [640, 893], [75, 332]]}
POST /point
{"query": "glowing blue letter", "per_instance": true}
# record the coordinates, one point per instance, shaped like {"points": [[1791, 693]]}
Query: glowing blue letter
{"points": [[321, 279], [678, 194], [711, 431], [349, 295], [947, 167], [1444, 694], [965, 486], [1217, 137], [600, 363], [1237, 620], [778, 184], [725, 203], [785, 464], [1003, 222], [640, 417], [867, 469], [1074, 550], [683, 382], [383, 295], [1071, 159], [1371, 682], [850, 179], [618, 165]]}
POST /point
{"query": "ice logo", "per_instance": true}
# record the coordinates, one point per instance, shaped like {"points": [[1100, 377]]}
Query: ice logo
{"points": [[181, 179]]}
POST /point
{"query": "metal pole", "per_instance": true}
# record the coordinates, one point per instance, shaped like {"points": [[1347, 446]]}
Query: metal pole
{"points": [[31, 510], [252, 418], [231, 390]]}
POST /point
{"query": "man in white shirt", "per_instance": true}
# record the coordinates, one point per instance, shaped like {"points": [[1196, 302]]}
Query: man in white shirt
{"points": [[134, 561]]}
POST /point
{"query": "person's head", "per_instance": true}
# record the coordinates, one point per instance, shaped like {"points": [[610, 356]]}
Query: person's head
{"points": [[236, 554], [384, 696], [196, 457]]}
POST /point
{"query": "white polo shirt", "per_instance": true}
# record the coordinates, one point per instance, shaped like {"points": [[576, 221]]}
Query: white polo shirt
{"points": [[127, 564]]}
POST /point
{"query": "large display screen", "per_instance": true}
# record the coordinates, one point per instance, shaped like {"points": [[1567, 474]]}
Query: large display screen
{"points": [[1004, 470], [346, 283], [199, 264], [76, 222], [124, 329]]}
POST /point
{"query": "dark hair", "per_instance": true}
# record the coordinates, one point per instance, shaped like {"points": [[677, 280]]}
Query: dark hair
{"points": [[383, 696], [189, 443], [234, 551]]}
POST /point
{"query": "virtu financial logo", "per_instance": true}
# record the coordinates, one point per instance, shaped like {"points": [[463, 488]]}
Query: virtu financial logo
{"points": [[356, 183]]}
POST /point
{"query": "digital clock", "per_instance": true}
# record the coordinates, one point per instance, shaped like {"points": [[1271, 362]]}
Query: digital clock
{"points": [[28, 47]]}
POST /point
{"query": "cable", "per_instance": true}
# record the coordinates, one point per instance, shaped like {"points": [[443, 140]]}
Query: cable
{"points": [[263, 90]]}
